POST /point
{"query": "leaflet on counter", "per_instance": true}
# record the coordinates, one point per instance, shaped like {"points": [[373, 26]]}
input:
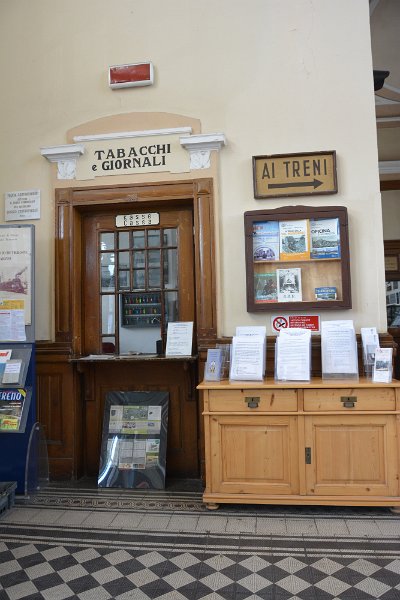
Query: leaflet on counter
{"points": [[339, 349], [293, 355], [247, 361]]}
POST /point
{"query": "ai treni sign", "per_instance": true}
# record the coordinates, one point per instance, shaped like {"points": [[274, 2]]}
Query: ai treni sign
{"points": [[132, 155]]}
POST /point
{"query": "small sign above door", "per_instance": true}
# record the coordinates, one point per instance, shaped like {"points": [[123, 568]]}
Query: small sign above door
{"points": [[301, 174], [137, 220]]}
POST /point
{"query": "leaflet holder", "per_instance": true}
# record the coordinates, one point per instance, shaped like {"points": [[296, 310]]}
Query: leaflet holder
{"points": [[21, 438]]}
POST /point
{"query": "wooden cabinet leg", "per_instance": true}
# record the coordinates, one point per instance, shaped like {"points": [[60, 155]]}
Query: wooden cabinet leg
{"points": [[212, 505], [395, 510]]}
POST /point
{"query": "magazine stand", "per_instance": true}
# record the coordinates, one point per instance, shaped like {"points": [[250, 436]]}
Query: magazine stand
{"points": [[307, 268], [17, 349]]}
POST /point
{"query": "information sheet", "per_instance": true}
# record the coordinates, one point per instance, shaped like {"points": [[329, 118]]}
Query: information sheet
{"points": [[293, 355], [247, 358], [339, 348], [179, 339]]}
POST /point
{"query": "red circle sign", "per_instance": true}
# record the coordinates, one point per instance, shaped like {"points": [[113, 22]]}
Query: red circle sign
{"points": [[280, 323]]}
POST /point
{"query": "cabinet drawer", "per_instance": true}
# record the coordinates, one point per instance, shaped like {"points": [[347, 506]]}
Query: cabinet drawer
{"points": [[349, 399], [263, 400]]}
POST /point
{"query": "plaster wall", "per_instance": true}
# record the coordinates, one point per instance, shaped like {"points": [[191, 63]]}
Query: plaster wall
{"points": [[275, 76]]}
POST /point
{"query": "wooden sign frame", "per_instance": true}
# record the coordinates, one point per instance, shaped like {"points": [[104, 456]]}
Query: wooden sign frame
{"points": [[309, 167]]}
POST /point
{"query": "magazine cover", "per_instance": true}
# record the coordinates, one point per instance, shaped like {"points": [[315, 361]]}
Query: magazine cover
{"points": [[266, 240], [265, 288], [289, 285], [325, 238], [294, 240], [326, 293]]}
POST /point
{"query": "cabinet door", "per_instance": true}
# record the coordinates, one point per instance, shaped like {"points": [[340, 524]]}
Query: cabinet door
{"points": [[352, 455], [254, 454]]}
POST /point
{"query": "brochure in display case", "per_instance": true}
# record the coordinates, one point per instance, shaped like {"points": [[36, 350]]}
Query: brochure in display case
{"points": [[339, 350]]}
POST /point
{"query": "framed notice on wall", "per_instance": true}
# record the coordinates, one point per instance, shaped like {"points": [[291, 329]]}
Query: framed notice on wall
{"points": [[16, 269]]}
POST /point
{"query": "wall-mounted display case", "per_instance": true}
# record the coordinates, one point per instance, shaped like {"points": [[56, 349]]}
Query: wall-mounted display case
{"points": [[297, 258], [141, 309]]}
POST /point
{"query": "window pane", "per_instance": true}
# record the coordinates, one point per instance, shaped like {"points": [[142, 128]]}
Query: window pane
{"points": [[123, 240], [123, 258], [171, 268], [138, 279], [154, 258], [153, 238], [139, 259], [107, 272], [170, 237], [123, 280], [171, 306], [155, 278], [107, 314], [138, 239], [106, 241]]}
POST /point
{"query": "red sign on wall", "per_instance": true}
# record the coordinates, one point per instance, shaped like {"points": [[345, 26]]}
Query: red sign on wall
{"points": [[311, 322]]}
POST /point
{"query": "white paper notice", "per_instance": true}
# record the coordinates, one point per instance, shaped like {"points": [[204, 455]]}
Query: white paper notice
{"points": [[179, 339], [293, 352], [339, 348], [255, 330], [12, 325], [247, 358]]}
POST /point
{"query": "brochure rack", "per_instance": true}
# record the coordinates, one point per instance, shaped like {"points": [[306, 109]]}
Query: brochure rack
{"points": [[17, 371], [297, 258]]}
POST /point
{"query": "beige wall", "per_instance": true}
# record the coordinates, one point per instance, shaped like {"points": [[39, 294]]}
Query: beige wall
{"points": [[275, 76]]}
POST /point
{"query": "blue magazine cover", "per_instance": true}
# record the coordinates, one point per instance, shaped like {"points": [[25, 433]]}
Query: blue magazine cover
{"points": [[266, 240]]}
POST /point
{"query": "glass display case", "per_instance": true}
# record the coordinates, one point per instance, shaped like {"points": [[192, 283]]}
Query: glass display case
{"points": [[297, 258]]}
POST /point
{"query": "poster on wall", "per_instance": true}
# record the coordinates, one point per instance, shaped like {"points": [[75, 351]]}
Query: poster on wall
{"points": [[16, 269], [134, 440]]}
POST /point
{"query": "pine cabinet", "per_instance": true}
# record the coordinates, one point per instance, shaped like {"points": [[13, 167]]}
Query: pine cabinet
{"points": [[304, 443]]}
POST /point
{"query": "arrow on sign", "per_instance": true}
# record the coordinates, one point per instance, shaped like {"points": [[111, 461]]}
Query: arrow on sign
{"points": [[314, 184]]}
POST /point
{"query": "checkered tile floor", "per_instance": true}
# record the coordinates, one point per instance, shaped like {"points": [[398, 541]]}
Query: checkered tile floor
{"points": [[56, 553]]}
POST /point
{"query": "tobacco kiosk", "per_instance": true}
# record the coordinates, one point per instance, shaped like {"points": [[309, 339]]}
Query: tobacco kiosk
{"points": [[318, 442]]}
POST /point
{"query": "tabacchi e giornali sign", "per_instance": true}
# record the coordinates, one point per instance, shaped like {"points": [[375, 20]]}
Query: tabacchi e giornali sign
{"points": [[132, 155]]}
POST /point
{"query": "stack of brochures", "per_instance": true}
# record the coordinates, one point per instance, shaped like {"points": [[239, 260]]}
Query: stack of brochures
{"points": [[339, 350], [293, 355]]}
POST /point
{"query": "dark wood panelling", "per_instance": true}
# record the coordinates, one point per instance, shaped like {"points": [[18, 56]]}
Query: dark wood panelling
{"points": [[176, 377], [57, 395]]}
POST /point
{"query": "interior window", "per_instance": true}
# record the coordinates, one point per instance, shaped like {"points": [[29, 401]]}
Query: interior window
{"points": [[138, 288]]}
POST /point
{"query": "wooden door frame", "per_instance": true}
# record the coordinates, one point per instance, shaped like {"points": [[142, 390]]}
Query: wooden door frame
{"points": [[73, 203]]}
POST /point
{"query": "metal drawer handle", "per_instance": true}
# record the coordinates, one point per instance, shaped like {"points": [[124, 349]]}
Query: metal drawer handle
{"points": [[252, 401], [348, 401]]}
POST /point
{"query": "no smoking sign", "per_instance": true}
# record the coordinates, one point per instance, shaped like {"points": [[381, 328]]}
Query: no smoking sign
{"points": [[311, 322]]}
